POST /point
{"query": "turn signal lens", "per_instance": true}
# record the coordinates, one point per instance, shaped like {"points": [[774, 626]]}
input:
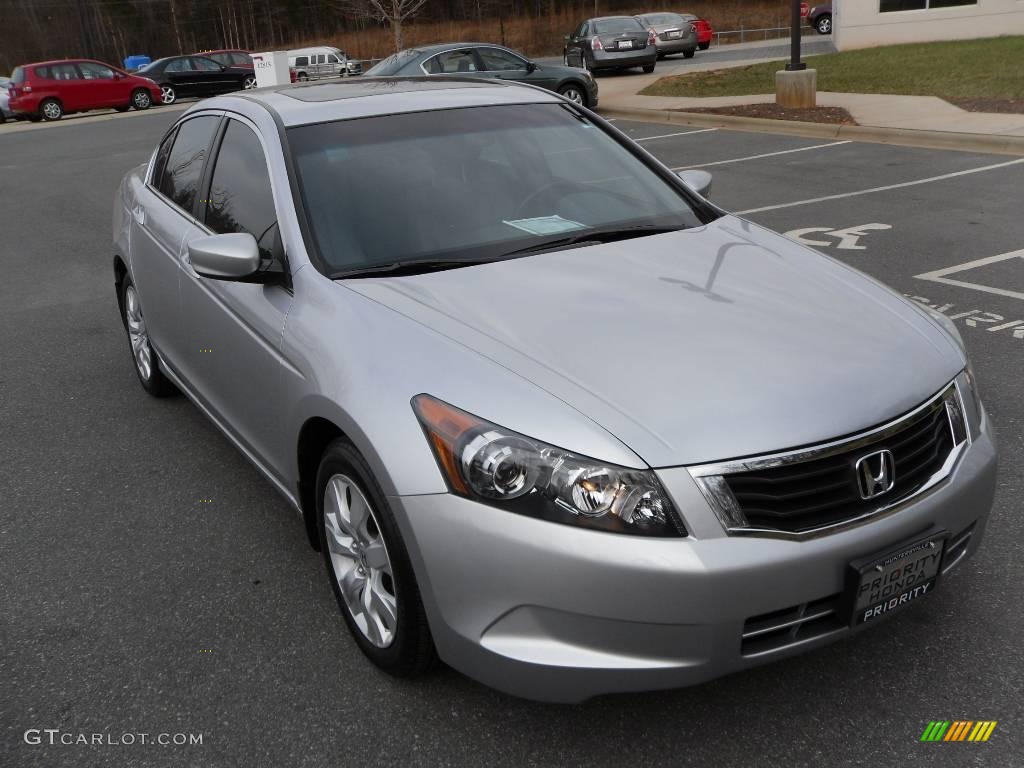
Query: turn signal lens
{"points": [[502, 468]]}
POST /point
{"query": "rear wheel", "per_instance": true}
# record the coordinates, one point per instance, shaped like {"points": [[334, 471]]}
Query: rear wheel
{"points": [[303, 77], [141, 99], [167, 94], [51, 109], [689, 54], [249, 83], [369, 566], [704, 46], [824, 25], [147, 366], [573, 92], [648, 68]]}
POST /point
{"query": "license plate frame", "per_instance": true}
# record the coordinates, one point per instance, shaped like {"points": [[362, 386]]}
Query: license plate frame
{"points": [[625, 45], [904, 573], [674, 34]]}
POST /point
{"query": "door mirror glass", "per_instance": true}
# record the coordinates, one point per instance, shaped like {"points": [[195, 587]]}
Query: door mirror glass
{"points": [[225, 257], [697, 180]]}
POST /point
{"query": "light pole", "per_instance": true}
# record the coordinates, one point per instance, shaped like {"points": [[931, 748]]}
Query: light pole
{"points": [[795, 65]]}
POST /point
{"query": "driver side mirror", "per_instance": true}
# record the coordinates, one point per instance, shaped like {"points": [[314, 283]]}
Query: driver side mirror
{"points": [[531, 67], [697, 180], [234, 256]]}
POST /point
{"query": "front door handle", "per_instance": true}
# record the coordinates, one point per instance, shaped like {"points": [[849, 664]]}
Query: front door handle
{"points": [[139, 214]]}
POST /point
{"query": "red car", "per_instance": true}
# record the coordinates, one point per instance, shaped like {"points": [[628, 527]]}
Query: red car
{"points": [[229, 57], [51, 89], [704, 33]]}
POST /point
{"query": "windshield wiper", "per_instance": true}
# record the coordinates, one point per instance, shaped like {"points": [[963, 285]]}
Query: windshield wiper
{"points": [[412, 267], [591, 237]]}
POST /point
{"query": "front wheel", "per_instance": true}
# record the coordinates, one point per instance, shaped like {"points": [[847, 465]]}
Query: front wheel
{"points": [[167, 94], [573, 92], [249, 83], [824, 25], [704, 46], [51, 109], [147, 366], [689, 54], [369, 566], [648, 68], [303, 77], [141, 99]]}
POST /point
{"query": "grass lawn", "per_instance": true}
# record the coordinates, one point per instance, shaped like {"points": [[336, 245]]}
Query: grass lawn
{"points": [[992, 68]]}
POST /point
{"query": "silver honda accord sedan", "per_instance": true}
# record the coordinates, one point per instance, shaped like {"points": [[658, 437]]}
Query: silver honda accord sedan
{"points": [[547, 412]]}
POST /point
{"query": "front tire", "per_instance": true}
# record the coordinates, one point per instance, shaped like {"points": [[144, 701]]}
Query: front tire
{"points": [[141, 99], [368, 565], [302, 77], [51, 109], [574, 93], [147, 366], [648, 68], [167, 94], [824, 25], [704, 46], [689, 54]]}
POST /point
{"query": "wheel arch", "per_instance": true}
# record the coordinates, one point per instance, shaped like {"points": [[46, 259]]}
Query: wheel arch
{"points": [[120, 273], [315, 435]]}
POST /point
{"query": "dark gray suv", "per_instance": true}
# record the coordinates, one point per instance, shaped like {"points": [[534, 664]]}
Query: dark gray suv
{"points": [[611, 42]]}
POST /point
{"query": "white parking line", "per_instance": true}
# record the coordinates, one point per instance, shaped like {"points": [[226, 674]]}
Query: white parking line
{"points": [[670, 135], [882, 189], [939, 275], [767, 154]]}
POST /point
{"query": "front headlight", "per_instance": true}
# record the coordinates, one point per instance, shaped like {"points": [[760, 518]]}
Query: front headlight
{"points": [[968, 386], [504, 469]]}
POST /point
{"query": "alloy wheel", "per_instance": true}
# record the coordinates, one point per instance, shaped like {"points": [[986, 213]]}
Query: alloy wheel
{"points": [[52, 110], [359, 560], [141, 100], [575, 95], [250, 82], [825, 26], [167, 94], [137, 333]]}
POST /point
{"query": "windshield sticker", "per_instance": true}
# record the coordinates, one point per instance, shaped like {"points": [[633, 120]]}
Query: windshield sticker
{"points": [[546, 225]]}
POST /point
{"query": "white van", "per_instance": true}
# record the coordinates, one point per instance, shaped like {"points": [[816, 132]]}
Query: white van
{"points": [[318, 62]]}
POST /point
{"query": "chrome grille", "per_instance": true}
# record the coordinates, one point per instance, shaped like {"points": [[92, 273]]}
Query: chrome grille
{"points": [[817, 488]]}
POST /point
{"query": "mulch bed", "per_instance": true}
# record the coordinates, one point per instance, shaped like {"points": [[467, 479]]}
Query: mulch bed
{"points": [[986, 104], [834, 115]]}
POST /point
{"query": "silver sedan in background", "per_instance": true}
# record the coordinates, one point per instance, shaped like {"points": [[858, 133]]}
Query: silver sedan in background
{"points": [[547, 412], [673, 32]]}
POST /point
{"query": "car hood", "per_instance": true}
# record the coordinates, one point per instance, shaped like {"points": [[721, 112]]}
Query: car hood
{"points": [[712, 343]]}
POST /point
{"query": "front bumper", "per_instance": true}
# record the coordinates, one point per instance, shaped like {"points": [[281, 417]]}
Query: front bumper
{"points": [[556, 613], [615, 59]]}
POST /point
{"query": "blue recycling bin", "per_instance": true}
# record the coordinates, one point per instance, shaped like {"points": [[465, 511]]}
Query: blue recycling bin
{"points": [[134, 62]]}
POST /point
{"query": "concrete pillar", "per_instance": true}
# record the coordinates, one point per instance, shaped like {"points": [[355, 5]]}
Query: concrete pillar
{"points": [[797, 90]]}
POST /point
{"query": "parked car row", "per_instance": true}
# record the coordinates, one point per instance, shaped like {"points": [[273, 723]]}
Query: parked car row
{"points": [[49, 90], [623, 42]]}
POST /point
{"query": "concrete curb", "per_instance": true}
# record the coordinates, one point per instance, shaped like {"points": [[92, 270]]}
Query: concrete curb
{"points": [[996, 144]]}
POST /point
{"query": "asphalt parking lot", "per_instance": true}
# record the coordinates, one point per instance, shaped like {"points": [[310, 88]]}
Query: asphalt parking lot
{"points": [[152, 582]]}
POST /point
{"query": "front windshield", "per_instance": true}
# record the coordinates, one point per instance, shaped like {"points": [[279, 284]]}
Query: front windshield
{"points": [[471, 184], [392, 63]]}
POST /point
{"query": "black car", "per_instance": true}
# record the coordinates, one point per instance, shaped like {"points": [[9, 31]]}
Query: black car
{"points": [[489, 60], [180, 76]]}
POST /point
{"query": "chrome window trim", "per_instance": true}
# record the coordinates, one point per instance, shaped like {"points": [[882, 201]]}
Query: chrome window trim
{"points": [[711, 482]]}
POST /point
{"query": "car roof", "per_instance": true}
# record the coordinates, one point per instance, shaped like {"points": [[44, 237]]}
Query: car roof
{"points": [[321, 102], [615, 18], [438, 47], [64, 61]]}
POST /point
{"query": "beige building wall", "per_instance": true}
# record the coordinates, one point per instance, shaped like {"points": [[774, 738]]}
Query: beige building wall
{"points": [[859, 24]]}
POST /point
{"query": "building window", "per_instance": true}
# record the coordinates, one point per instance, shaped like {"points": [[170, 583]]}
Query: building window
{"points": [[920, 5]]}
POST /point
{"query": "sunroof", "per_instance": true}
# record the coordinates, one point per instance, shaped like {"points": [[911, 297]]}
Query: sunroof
{"points": [[333, 91]]}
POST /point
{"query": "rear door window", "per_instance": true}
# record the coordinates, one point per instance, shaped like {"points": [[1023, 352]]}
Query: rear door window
{"points": [[452, 62], [91, 71], [302, 61], [178, 65], [58, 72], [184, 169]]}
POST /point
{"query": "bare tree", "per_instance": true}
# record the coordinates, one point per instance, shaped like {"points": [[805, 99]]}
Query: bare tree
{"points": [[392, 12]]}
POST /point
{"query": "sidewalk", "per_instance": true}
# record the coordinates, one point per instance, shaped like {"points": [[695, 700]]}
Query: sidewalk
{"points": [[900, 115]]}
